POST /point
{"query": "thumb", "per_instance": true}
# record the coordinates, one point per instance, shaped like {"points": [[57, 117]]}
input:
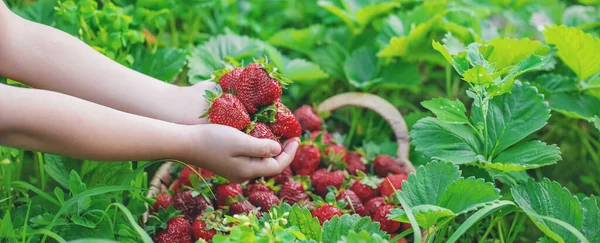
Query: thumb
{"points": [[256, 147]]}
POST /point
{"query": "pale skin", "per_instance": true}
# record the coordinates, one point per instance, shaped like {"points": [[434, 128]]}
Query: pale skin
{"points": [[85, 105]]}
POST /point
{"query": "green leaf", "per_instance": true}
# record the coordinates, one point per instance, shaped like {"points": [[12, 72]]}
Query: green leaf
{"points": [[458, 61], [477, 217], [301, 40], [447, 142], [103, 173], [365, 15], [525, 156], [506, 52], [591, 218], [362, 237], [303, 219], [399, 74], [76, 185], [358, 13], [549, 199], [208, 57], [449, 111], [426, 215], [6, 229], [550, 83], [165, 64], [477, 75], [576, 49], [428, 184], [398, 46], [581, 106], [512, 117], [59, 168], [466, 194], [330, 58], [596, 121], [300, 70], [361, 67], [337, 227], [39, 11]]}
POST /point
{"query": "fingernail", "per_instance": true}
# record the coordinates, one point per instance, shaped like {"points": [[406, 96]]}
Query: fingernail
{"points": [[275, 148]]}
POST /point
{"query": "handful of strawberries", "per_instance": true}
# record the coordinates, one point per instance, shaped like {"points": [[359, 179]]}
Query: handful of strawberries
{"points": [[248, 99], [324, 176]]}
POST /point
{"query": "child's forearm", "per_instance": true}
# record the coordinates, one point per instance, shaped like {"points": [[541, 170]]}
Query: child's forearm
{"points": [[56, 123], [46, 58]]}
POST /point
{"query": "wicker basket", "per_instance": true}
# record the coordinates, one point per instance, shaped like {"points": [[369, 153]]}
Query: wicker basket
{"points": [[162, 179]]}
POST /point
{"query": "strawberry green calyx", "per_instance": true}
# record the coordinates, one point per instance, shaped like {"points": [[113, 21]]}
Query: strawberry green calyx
{"points": [[266, 114], [271, 69], [372, 181], [210, 97], [159, 220], [229, 64]]}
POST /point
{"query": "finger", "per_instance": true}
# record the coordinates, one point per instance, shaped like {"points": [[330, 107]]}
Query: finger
{"points": [[289, 151], [253, 147], [265, 167]]}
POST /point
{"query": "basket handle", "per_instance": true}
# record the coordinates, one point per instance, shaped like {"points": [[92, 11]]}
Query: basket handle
{"points": [[384, 109]]}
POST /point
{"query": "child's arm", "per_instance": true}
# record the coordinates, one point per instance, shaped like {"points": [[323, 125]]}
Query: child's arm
{"points": [[56, 123], [47, 58]]}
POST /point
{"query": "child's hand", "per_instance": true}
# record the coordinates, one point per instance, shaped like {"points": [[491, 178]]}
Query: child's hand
{"points": [[236, 155]]}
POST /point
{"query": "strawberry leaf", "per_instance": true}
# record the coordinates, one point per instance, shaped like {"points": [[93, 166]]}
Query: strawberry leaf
{"points": [[337, 227], [447, 110], [164, 64], [576, 49], [303, 219]]}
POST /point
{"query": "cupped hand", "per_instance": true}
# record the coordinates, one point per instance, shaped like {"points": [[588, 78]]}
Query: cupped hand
{"points": [[236, 155]]}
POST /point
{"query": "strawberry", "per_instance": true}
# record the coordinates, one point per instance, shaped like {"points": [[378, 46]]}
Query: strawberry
{"points": [[242, 206], [226, 193], [175, 186], [326, 212], [163, 201], [285, 124], [401, 240], [336, 152], [365, 191], [353, 202], [201, 231], [283, 176], [257, 187], [389, 183], [184, 176], [260, 84], [190, 205], [386, 224], [264, 200], [373, 204], [308, 118], [261, 130], [292, 192], [228, 79], [307, 159], [326, 137], [226, 109], [322, 182], [177, 230], [355, 163], [384, 165]]}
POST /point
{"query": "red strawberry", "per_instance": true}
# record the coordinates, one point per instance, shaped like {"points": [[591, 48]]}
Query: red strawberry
{"points": [[257, 187], [175, 186], [285, 125], [372, 205], [178, 230], [292, 192], [321, 183], [308, 118], [226, 109], [259, 85], [326, 212], [386, 224], [190, 206], [225, 193], [283, 176], [401, 240], [365, 192], [318, 178], [307, 159], [384, 165], [261, 130], [162, 201], [337, 151], [184, 176], [243, 206], [353, 202], [263, 200], [327, 137], [389, 183], [355, 163], [228, 81], [201, 231]]}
